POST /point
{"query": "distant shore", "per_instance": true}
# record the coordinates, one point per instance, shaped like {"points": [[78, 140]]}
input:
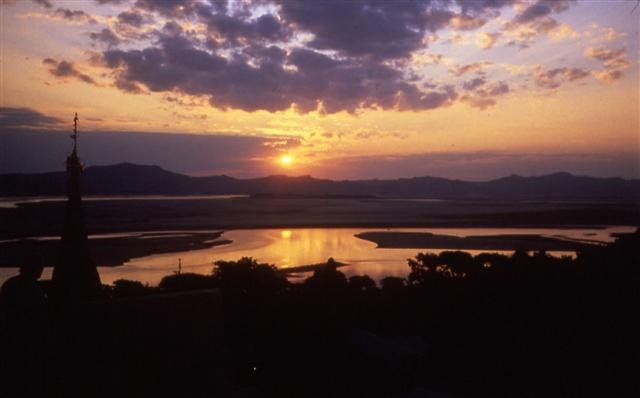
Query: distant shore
{"points": [[423, 240]]}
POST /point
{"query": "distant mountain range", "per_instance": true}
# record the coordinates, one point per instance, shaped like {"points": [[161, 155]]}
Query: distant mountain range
{"points": [[131, 179]]}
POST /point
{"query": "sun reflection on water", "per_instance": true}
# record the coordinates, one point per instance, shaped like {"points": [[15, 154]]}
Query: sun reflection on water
{"points": [[303, 246]]}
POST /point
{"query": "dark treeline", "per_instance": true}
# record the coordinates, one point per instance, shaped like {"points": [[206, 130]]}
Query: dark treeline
{"points": [[472, 326]]}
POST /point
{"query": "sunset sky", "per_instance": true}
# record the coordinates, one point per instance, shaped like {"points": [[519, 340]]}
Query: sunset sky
{"points": [[342, 89]]}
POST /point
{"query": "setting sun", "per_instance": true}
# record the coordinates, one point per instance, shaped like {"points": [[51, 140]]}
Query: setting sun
{"points": [[286, 160]]}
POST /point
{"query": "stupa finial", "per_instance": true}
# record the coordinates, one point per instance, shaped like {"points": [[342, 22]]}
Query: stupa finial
{"points": [[74, 137]]}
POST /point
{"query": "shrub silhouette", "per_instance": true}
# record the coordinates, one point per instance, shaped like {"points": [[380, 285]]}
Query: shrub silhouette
{"points": [[185, 282], [362, 284], [129, 288]]}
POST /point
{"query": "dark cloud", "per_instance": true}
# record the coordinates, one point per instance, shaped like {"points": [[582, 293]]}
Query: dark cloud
{"points": [[572, 74], [375, 29], [128, 87], [541, 8], [383, 29], [532, 12], [133, 26], [553, 78], [266, 78], [74, 15], [498, 89], [106, 36], [474, 83], [272, 55], [231, 30], [24, 118], [170, 8], [378, 29], [184, 101], [132, 18], [483, 6], [65, 69]]}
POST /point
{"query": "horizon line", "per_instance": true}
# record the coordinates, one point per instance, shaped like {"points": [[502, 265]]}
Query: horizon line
{"points": [[330, 179]]}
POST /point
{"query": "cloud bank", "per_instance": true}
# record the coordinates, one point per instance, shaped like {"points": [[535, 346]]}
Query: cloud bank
{"points": [[324, 56]]}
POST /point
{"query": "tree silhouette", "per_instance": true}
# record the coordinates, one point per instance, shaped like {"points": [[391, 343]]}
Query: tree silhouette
{"points": [[247, 276]]}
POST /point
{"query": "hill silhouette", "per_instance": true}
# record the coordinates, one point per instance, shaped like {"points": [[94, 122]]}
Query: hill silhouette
{"points": [[132, 179]]}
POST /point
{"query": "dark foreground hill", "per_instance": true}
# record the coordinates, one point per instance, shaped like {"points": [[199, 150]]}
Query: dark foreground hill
{"points": [[130, 179]]}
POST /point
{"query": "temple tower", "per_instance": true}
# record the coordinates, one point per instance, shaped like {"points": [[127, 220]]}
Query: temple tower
{"points": [[75, 275]]}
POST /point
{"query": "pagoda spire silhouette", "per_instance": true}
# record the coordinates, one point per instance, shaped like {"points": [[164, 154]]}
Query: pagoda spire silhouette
{"points": [[75, 275]]}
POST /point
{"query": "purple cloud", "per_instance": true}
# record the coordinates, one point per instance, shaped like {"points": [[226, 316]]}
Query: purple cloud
{"points": [[553, 78], [64, 69], [474, 83], [482, 96], [380, 30], [24, 118], [267, 78], [131, 18], [74, 15], [106, 36]]}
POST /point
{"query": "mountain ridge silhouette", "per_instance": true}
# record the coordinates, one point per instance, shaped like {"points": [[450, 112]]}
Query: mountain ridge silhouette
{"points": [[134, 179]]}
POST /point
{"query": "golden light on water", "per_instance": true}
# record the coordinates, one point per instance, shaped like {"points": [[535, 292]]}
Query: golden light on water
{"points": [[285, 234]]}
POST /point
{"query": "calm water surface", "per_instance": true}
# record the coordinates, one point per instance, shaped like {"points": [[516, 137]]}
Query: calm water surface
{"points": [[293, 247]]}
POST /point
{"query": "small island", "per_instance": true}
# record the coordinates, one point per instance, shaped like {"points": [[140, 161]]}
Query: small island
{"points": [[426, 240]]}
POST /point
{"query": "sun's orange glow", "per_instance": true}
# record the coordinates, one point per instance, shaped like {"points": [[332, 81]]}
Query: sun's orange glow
{"points": [[286, 160]]}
